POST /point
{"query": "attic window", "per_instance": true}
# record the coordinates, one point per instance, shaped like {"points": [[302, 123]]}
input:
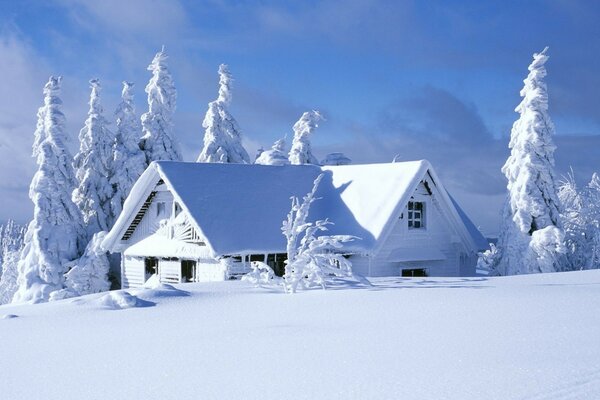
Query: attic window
{"points": [[160, 209], [416, 214]]}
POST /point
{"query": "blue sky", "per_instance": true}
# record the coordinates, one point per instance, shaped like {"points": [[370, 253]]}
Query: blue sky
{"points": [[436, 79]]}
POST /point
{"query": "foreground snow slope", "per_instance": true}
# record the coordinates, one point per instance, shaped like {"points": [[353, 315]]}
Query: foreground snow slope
{"points": [[526, 337]]}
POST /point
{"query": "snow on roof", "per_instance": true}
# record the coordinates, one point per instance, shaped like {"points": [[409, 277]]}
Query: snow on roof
{"points": [[239, 208], [158, 245]]}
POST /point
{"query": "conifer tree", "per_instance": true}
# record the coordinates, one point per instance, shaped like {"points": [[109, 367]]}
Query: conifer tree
{"points": [[222, 135], [531, 239], [301, 152], [158, 140], [94, 167], [55, 235], [129, 160], [274, 156]]}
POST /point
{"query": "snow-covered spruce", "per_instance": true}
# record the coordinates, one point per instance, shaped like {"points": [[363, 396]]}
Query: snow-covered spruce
{"points": [[581, 221], [11, 243], [94, 167], [301, 152], [158, 140], [531, 237], [222, 135], [311, 260], [129, 161], [336, 159], [55, 235], [276, 155], [89, 273]]}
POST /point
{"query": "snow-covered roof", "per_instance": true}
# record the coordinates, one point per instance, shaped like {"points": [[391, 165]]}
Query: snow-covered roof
{"points": [[239, 208], [157, 245]]}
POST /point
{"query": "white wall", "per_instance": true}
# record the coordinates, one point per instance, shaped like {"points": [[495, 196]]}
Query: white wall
{"points": [[438, 236]]}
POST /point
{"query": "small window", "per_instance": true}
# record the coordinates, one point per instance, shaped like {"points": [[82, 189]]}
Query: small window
{"points": [[177, 209], [416, 214], [414, 272], [151, 265], [160, 209]]}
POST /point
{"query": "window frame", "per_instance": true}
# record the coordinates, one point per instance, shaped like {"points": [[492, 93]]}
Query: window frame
{"points": [[412, 210]]}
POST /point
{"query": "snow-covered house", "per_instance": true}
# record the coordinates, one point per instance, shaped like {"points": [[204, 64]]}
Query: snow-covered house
{"points": [[202, 222]]}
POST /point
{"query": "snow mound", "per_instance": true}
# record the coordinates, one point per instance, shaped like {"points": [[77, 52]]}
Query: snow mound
{"points": [[153, 288], [120, 300], [9, 316]]}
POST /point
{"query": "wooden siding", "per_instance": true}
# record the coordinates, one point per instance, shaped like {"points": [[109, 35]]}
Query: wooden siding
{"points": [[438, 235], [169, 271], [134, 272]]}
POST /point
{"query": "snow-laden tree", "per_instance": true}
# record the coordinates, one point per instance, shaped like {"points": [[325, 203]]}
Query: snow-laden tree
{"points": [[311, 259], [56, 233], [531, 237], [301, 152], [94, 167], [222, 135], [336, 159], [581, 221], [276, 155], [129, 160], [11, 243], [89, 273], [158, 140]]}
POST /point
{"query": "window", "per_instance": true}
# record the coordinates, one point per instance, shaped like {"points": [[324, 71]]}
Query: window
{"points": [[188, 270], [177, 209], [414, 272], [151, 265], [416, 214], [160, 208]]}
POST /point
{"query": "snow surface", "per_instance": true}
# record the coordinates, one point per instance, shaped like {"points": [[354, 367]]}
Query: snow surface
{"points": [[521, 337]]}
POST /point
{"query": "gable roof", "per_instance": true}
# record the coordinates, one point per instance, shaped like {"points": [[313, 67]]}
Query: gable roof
{"points": [[239, 208]]}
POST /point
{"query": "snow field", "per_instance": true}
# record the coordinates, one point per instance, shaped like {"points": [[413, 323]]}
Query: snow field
{"points": [[524, 337]]}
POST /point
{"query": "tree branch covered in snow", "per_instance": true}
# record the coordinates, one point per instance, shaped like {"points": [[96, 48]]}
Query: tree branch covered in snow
{"points": [[89, 273], [312, 259], [222, 135], [55, 235], [301, 152], [158, 140]]}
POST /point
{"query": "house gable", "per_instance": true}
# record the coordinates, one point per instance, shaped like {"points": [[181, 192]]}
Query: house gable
{"points": [[238, 209]]}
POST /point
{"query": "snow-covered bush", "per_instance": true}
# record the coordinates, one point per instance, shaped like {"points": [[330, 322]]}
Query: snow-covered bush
{"points": [[581, 221], [261, 275], [94, 167], [128, 160], [12, 237], [158, 141], [56, 234], [222, 135], [276, 155], [311, 260], [532, 203], [301, 152], [336, 159], [89, 273]]}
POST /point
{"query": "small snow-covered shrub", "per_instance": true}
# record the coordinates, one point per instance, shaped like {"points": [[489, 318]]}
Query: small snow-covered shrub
{"points": [[312, 260], [261, 275]]}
